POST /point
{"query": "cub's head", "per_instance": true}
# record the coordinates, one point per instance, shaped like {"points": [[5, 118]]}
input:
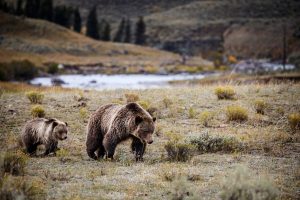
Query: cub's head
{"points": [[60, 129], [143, 122]]}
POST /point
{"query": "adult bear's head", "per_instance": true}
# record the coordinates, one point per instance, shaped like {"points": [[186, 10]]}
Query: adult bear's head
{"points": [[143, 122]]}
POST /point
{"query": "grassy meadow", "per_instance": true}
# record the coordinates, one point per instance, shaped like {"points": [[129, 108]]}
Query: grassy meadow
{"points": [[210, 143]]}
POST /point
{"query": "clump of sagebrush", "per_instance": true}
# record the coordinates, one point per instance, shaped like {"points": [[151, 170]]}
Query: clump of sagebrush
{"points": [[206, 143], [12, 188], [260, 106], [181, 189], [35, 97], [192, 113], [178, 149], [206, 117], [236, 113], [12, 163], [131, 97], [294, 121], [38, 111], [225, 92], [243, 184]]}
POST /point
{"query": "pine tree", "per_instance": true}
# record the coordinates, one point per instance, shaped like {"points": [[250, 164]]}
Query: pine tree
{"points": [[4, 6], [19, 9], [77, 21], [120, 32], [106, 32], [46, 10], [127, 37], [62, 15], [140, 37], [92, 24], [32, 8]]}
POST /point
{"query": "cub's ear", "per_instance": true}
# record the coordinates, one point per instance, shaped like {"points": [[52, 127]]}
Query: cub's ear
{"points": [[66, 123], [132, 106], [154, 119], [49, 121], [138, 120]]}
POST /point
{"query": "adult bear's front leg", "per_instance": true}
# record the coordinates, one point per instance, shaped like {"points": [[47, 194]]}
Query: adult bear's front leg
{"points": [[110, 145], [138, 147]]}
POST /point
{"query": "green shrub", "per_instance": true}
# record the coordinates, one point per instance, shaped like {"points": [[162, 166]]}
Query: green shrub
{"points": [[37, 111], [244, 185], [24, 70], [12, 163], [206, 117], [6, 72], [13, 188], [225, 92], [35, 97], [131, 97], [52, 68], [236, 113], [17, 70], [294, 121], [206, 143], [260, 106], [177, 149]]}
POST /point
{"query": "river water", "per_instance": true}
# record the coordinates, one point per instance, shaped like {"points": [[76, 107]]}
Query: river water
{"points": [[117, 81]]}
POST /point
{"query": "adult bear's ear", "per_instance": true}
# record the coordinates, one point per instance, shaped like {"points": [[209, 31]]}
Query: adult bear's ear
{"points": [[66, 123], [54, 124], [154, 119], [138, 120]]}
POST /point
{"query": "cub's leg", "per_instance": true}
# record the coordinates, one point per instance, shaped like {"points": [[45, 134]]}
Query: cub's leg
{"points": [[51, 147]]}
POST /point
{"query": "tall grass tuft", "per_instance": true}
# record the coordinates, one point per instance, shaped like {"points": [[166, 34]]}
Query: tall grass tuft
{"points": [[35, 97], [236, 113], [38, 111], [294, 121], [225, 92], [131, 97], [260, 106]]}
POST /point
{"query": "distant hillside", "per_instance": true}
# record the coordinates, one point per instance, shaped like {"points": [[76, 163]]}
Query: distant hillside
{"points": [[44, 42], [205, 26]]}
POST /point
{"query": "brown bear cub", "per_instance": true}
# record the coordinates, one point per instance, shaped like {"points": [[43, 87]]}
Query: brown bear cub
{"points": [[114, 123], [43, 131]]}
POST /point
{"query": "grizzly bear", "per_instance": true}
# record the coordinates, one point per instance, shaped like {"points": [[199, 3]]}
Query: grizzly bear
{"points": [[43, 131], [114, 123]]}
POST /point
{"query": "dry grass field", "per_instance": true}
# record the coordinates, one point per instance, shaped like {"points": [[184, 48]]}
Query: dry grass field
{"points": [[247, 139]]}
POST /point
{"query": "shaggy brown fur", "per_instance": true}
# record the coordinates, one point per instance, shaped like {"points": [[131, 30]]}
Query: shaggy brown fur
{"points": [[43, 131], [114, 123]]}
